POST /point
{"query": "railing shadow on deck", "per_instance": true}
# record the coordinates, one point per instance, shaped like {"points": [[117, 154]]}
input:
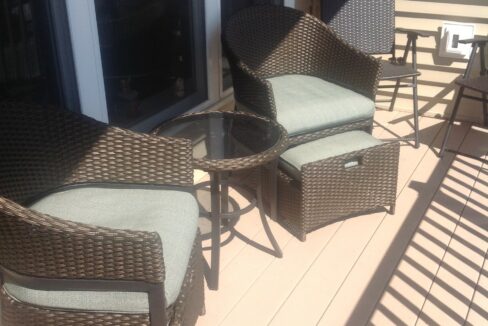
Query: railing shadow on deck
{"points": [[448, 204]]}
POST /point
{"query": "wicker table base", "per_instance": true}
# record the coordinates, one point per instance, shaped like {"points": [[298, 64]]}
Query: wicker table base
{"points": [[225, 142]]}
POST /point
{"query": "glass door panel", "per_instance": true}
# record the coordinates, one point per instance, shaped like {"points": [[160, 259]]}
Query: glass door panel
{"points": [[35, 57], [153, 57]]}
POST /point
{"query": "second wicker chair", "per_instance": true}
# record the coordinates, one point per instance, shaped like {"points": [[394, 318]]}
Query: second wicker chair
{"points": [[290, 66]]}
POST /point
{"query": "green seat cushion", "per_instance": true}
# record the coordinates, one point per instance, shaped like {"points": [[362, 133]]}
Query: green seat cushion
{"points": [[173, 214], [306, 103], [327, 147]]}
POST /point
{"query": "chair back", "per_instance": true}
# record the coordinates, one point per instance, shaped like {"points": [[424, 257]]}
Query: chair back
{"points": [[274, 40], [34, 141], [481, 44], [368, 25]]}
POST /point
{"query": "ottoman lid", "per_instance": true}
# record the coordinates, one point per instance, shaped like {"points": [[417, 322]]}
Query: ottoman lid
{"points": [[327, 147]]}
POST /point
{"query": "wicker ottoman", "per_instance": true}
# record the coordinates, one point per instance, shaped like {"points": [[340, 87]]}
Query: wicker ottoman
{"points": [[334, 178]]}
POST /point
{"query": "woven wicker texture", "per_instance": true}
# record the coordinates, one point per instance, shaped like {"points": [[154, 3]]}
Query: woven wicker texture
{"points": [[267, 41], [15, 313], [39, 245], [367, 25], [327, 191], [42, 149], [184, 311]]}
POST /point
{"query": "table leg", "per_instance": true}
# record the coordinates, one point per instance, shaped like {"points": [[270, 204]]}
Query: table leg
{"points": [[273, 170], [273, 191], [213, 278], [224, 196]]}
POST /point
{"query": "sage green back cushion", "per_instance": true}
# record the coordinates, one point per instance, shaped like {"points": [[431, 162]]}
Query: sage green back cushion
{"points": [[306, 103], [171, 213]]}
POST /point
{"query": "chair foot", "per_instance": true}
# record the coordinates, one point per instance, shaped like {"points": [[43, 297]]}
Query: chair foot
{"points": [[391, 211]]}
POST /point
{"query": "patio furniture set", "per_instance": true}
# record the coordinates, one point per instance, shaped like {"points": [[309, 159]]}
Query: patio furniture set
{"points": [[99, 225]]}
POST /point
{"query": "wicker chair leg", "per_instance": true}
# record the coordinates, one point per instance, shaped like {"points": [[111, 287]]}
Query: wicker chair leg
{"points": [[392, 209]]}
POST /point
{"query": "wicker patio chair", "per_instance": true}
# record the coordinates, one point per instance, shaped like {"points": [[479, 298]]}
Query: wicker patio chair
{"points": [[291, 67], [370, 27], [68, 259], [474, 84]]}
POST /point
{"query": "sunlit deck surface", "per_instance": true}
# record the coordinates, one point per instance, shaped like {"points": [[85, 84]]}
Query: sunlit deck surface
{"points": [[424, 265]]}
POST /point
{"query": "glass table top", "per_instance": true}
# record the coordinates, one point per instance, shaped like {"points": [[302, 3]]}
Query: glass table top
{"points": [[225, 135]]}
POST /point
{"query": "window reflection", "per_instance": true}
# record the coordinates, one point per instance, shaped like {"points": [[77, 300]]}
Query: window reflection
{"points": [[148, 56]]}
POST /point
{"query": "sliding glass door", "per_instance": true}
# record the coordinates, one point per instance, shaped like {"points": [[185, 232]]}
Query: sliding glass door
{"points": [[153, 58], [36, 63]]}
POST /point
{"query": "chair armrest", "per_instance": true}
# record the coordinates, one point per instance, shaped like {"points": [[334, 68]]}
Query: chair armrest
{"points": [[412, 33], [251, 90], [70, 250], [123, 156], [349, 67]]}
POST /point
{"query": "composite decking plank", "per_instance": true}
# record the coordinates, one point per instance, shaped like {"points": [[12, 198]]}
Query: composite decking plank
{"points": [[451, 295], [480, 297], [248, 225], [240, 274], [267, 294], [381, 125], [410, 284], [332, 267], [357, 298]]}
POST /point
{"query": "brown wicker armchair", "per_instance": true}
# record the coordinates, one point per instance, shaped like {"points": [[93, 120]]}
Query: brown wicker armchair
{"points": [[266, 43], [53, 267]]}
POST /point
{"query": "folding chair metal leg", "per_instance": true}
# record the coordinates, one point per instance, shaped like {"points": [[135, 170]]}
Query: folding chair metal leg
{"points": [[394, 96], [416, 112], [451, 121]]}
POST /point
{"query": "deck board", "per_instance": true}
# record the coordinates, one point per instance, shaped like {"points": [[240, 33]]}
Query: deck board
{"points": [[480, 299], [477, 316], [365, 283], [366, 269], [280, 279], [451, 294], [413, 278]]}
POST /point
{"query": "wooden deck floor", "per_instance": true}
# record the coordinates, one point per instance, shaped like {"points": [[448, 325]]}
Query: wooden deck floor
{"points": [[424, 265]]}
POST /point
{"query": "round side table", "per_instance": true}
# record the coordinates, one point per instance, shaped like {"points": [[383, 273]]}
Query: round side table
{"points": [[224, 142]]}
